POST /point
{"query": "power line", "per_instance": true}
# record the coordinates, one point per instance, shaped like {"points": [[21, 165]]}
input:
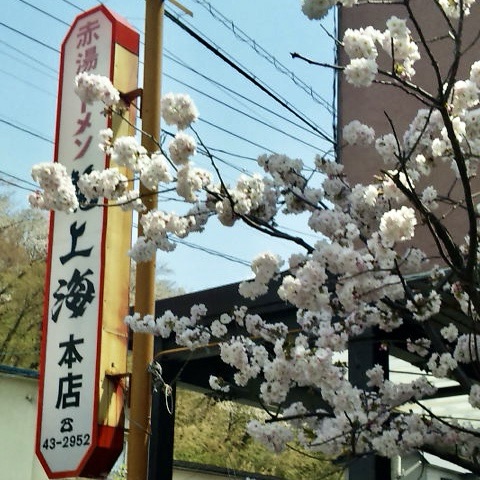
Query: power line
{"points": [[242, 36], [236, 155], [266, 53], [215, 50], [73, 5], [210, 123], [209, 154], [251, 117], [13, 184], [29, 37], [26, 82], [30, 57], [44, 12], [228, 106], [25, 130], [210, 251], [178, 61], [336, 81], [175, 59], [28, 182], [236, 135], [206, 121]]}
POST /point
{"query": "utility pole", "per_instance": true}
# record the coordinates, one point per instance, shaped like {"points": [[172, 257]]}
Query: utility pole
{"points": [[364, 352], [140, 393]]}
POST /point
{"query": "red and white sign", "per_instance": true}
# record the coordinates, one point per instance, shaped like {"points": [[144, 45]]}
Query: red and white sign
{"points": [[67, 427]]}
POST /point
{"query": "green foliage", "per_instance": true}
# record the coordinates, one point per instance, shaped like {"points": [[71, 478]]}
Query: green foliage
{"points": [[213, 433], [119, 474], [22, 273]]}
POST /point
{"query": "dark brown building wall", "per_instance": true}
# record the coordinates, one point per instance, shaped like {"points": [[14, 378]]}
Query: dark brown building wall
{"points": [[372, 105]]}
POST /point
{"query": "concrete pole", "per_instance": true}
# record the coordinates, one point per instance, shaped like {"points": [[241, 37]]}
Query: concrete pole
{"points": [[140, 393]]}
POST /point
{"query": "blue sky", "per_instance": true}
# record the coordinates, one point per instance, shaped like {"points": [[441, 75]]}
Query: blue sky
{"points": [[28, 76]]}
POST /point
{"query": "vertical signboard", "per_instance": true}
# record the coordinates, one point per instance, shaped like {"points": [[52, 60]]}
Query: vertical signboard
{"points": [[84, 344]]}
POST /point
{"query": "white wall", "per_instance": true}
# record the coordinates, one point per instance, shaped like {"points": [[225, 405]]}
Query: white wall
{"points": [[18, 409]]}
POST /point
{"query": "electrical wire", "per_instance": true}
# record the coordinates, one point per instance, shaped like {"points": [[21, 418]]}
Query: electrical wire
{"points": [[25, 130], [177, 60], [21, 180], [251, 117], [73, 5], [205, 121], [210, 251], [44, 12], [36, 40], [26, 82], [236, 135], [253, 44], [210, 155], [30, 57], [13, 184], [216, 51], [283, 70], [212, 149], [335, 85]]}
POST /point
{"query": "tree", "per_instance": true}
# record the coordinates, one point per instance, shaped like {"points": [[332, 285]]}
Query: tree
{"points": [[356, 280], [164, 287], [22, 273], [213, 432]]}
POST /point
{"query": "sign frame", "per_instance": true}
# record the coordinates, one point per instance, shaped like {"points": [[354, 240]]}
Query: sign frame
{"points": [[92, 452]]}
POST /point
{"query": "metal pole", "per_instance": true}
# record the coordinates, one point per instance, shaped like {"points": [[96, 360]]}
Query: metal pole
{"points": [[140, 394], [160, 466], [364, 352]]}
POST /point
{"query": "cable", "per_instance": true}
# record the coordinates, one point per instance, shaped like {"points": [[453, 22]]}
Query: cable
{"points": [[210, 251], [44, 12], [211, 124], [29, 37], [231, 133], [266, 124], [336, 82], [175, 59], [242, 36], [235, 135], [25, 130], [247, 75], [13, 184], [210, 45], [30, 57], [26, 82], [73, 5], [28, 182], [236, 155], [211, 149]]}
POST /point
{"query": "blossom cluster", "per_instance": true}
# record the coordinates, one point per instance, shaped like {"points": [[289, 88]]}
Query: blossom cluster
{"points": [[58, 191], [361, 47], [93, 88]]}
